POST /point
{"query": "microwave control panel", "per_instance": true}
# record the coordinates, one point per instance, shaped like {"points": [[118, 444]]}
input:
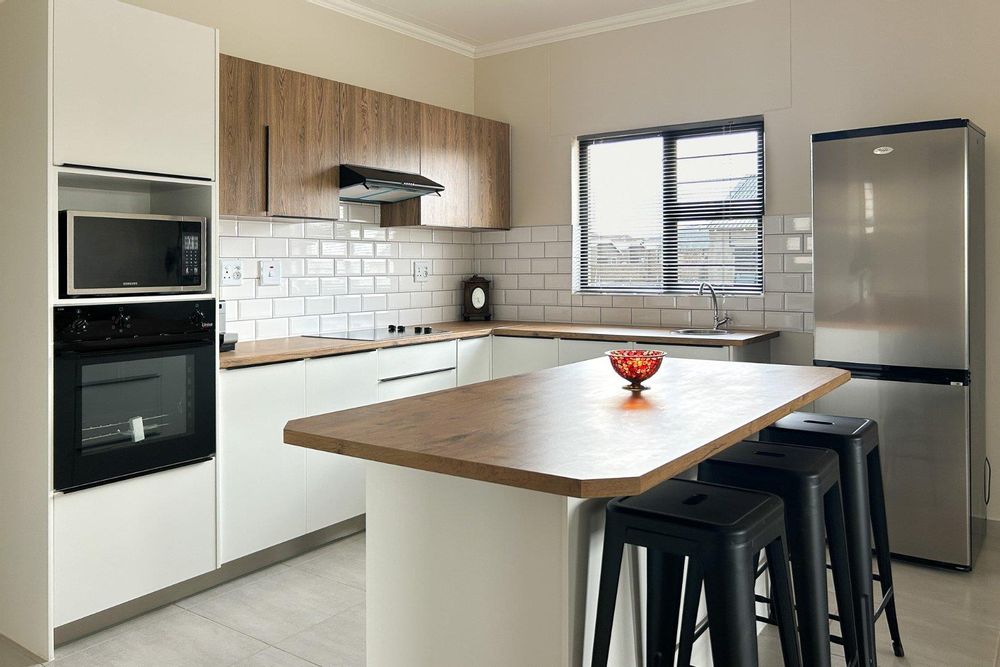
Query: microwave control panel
{"points": [[191, 255]]}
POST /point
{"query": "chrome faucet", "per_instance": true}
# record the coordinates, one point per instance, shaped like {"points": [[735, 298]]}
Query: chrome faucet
{"points": [[719, 321]]}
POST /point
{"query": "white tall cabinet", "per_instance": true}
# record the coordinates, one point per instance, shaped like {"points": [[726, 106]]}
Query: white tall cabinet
{"points": [[103, 102], [133, 90]]}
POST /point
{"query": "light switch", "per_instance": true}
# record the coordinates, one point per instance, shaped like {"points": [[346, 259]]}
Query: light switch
{"points": [[421, 270], [232, 272], [269, 272]]}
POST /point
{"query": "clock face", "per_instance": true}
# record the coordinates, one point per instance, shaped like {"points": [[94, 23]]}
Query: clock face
{"points": [[478, 297]]}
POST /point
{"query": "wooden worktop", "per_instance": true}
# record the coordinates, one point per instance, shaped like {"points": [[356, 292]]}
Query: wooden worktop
{"points": [[256, 353], [573, 430]]}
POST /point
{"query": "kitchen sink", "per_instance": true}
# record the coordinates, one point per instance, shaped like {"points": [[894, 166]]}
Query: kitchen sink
{"points": [[701, 332]]}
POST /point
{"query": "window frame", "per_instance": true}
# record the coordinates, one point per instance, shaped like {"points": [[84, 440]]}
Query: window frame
{"points": [[730, 209]]}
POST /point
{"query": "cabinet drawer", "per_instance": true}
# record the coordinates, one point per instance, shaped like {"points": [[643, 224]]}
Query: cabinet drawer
{"points": [[389, 390], [399, 362]]}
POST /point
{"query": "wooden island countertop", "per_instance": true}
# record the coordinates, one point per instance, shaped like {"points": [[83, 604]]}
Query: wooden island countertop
{"points": [[573, 430], [275, 350]]}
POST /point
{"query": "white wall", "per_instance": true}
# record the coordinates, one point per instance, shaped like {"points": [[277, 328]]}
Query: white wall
{"points": [[312, 39], [807, 65]]}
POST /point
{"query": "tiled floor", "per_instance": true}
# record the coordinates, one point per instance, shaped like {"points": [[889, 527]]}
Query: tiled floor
{"points": [[310, 611]]}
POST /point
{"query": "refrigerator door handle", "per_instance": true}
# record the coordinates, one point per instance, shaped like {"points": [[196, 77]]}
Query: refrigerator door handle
{"points": [[988, 479]]}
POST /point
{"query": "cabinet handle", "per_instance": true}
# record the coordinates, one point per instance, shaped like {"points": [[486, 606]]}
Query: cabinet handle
{"points": [[413, 375], [988, 474], [267, 169]]}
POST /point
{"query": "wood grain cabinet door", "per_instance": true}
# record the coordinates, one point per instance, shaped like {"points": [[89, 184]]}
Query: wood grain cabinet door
{"points": [[379, 130], [303, 145], [444, 157], [489, 174], [242, 186]]}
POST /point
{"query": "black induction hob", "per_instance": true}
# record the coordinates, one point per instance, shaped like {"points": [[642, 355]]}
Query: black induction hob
{"points": [[392, 332]]}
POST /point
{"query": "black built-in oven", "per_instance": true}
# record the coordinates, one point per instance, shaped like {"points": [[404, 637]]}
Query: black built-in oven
{"points": [[134, 389], [105, 254]]}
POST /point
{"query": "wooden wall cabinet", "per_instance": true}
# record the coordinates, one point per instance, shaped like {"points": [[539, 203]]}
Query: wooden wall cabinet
{"points": [[284, 135], [279, 137], [379, 130]]}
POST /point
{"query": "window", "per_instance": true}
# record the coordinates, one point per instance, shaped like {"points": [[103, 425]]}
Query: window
{"points": [[663, 210]]}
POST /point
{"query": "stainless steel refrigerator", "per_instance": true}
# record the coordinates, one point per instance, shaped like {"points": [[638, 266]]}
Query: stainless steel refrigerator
{"points": [[898, 225]]}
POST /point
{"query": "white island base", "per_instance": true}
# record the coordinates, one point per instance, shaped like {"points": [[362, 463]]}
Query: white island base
{"points": [[464, 573]]}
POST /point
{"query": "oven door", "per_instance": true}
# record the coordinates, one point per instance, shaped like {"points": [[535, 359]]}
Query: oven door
{"points": [[128, 411]]}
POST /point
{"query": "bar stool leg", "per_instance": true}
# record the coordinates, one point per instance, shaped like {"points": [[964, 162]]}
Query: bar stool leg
{"points": [[857, 513], [807, 544], [784, 608], [880, 528], [833, 511], [611, 565], [729, 584], [689, 612], [664, 576]]}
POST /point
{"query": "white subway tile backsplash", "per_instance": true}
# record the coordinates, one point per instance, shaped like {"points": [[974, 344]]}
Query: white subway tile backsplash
{"points": [[268, 247], [249, 228], [558, 249], [289, 307], [227, 227], [303, 286], [799, 302], [558, 314], [332, 286], [586, 314], [347, 231], [254, 309], [245, 290], [530, 281], [386, 283], [420, 235], [318, 230], [528, 250], [287, 229], [344, 267], [398, 301], [303, 247], [333, 323], [361, 249], [319, 305], [303, 326], [517, 265], [675, 318], [373, 266], [797, 224], [273, 328], [235, 247], [273, 291], [544, 234], [333, 248], [421, 300], [783, 321], [361, 285], [542, 297], [291, 268], [616, 316], [518, 235], [373, 302], [348, 303], [798, 263], [504, 251], [646, 317], [626, 301]]}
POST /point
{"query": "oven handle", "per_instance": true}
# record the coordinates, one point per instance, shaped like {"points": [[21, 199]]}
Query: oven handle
{"points": [[134, 344]]}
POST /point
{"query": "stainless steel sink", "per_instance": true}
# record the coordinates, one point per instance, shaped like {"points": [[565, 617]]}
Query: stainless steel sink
{"points": [[701, 332]]}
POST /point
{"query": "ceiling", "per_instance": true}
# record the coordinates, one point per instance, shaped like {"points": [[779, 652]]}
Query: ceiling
{"points": [[486, 27]]}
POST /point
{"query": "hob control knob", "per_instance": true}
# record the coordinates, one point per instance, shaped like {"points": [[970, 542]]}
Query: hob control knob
{"points": [[198, 318], [121, 320], [392, 328], [79, 325], [401, 328]]}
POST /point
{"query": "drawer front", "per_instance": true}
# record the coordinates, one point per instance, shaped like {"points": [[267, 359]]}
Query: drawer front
{"points": [[389, 390], [398, 362]]}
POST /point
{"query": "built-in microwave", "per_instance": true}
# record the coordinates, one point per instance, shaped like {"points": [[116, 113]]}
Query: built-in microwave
{"points": [[103, 254]]}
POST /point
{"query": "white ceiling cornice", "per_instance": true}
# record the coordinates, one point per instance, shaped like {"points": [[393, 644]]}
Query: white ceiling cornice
{"points": [[390, 22], [384, 20]]}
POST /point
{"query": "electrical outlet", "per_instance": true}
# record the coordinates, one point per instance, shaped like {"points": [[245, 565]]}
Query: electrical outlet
{"points": [[269, 272], [232, 272], [421, 270]]}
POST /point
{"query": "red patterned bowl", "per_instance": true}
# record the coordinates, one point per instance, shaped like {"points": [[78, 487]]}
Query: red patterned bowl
{"points": [[636, 366]]}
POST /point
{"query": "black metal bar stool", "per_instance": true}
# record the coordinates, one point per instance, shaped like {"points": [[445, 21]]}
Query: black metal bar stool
{"points": [[721, 530], [808, 481], [855, 441]]}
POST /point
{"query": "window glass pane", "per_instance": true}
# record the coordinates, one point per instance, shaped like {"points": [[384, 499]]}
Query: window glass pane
{"points": [[624, 212], [717, 144], [722, 252], [717, 178]]}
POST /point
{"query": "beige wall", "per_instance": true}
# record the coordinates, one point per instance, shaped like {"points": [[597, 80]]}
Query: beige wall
{"points": [[312, 39], [807, 65]]}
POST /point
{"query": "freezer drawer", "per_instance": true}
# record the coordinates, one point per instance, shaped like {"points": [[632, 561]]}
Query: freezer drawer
{"points": [[924, 443]]}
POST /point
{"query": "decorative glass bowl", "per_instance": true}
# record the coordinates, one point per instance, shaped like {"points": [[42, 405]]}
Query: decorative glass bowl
{"points": [[636, 366]]}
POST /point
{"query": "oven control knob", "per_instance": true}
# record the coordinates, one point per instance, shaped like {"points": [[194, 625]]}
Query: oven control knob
{"points": [[79, 325], [121, 320], [198, 318]]}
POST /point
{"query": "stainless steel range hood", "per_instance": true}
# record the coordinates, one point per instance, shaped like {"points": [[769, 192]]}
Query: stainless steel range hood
{"points": [[379, 186]]}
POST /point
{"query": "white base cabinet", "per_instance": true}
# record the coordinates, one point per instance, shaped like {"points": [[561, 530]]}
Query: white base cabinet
{"points": [[120, 541], [572, 351], [514, 355], [475, 360], [335, 484], [263, 495]]}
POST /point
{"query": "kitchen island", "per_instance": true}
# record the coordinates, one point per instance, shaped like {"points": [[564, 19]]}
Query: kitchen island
{"points": [[485, 502]]}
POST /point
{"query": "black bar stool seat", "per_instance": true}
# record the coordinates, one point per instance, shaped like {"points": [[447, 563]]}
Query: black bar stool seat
{"points": [[721, 530], [808, 481], [855, 440]]}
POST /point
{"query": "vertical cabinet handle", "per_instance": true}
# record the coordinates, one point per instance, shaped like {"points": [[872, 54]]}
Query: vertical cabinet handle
{"points": [[267, 169], [988, 475]]}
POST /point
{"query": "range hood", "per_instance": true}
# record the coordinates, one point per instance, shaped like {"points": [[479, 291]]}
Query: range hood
{"points": [[381, 186]]}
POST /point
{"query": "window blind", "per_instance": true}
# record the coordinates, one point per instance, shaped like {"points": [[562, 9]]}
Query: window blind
{"points": [[663, 210]]}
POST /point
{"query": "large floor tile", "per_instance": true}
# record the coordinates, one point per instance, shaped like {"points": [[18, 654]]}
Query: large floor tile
{"points": [[336, 642], [221, 589], [180, 639], [342, 561], [273, 657], [156, 616], [281, 605]]}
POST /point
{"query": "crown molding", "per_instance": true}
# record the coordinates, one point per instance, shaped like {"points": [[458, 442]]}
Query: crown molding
{"points": [[401, 26], [632, 19], [629, 20]]}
